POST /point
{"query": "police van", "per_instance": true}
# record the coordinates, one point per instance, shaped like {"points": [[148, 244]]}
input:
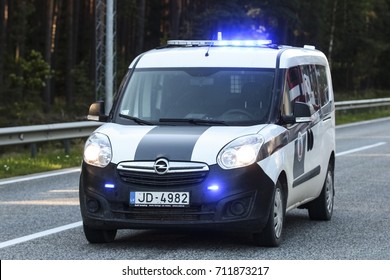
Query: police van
{"points": [[221, 134]]}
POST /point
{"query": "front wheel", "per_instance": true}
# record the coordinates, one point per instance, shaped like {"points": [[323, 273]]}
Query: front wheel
{"points": [[322, 207], [98, 235], [272, 233]]}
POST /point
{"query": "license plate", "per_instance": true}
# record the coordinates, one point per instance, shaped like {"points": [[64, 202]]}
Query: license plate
{"points": [[160, 199]]}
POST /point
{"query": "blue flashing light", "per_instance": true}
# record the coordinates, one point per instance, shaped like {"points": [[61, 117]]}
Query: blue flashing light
{"points": [[109, 186], [240, 41], [213, 188], [246, 43], [221, 43]]}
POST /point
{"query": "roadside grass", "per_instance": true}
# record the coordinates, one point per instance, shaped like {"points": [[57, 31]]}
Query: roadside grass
{"points": [[17, 161], [350, 116], [50, 157]]}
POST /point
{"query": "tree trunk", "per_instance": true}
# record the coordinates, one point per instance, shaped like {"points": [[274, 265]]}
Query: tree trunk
{"points": [[21, 36], [140, 27], [48, 53], [3, 28], [70, 53], [175, 14], [332, 29]]}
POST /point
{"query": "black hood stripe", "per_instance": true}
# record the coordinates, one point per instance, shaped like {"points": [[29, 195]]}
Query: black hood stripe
{"points": [[170, 142]]}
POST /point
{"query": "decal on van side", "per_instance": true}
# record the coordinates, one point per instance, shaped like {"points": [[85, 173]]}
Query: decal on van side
{"points": [[299, 155]]}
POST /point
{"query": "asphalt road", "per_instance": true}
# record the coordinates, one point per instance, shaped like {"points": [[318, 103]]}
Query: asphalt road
{"points": [[35, 209]]}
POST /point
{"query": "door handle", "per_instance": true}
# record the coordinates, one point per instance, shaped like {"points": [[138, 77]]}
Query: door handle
{"points": [[310, 140]]}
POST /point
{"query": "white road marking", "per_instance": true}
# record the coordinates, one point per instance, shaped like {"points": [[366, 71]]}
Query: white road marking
{"points": [[360, 149], [362, 123], [39, 234], [39, 176]]}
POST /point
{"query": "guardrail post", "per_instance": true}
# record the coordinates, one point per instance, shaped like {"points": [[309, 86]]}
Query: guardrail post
{"points": [[34, 150], [66, 146]]}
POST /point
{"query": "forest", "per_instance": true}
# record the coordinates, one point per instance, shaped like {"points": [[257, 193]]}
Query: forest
{"points": [[47, 47]]}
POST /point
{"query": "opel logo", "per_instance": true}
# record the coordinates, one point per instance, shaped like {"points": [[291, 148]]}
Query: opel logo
{"points": [[161, 166]]}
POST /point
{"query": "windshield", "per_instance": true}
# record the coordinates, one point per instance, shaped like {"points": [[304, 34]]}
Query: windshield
{"points": [[198, 96]]}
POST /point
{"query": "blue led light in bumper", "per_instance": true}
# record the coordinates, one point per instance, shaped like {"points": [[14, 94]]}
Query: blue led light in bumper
{"points": [[213, 188], [109, 186]]}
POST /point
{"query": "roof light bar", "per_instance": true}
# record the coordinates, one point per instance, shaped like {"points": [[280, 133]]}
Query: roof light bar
{"points": [[236, 43]]}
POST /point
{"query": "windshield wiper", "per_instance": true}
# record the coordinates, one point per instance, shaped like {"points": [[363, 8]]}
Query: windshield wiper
{"points": [[194, 121], [136, 120]]}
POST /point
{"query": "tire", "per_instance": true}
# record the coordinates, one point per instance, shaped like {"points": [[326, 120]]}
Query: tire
{"points": [[321, 209], [272, 233], [98, 235]]}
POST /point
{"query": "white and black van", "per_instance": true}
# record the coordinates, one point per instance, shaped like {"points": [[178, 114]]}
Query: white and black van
{"points": [[226, 135]]}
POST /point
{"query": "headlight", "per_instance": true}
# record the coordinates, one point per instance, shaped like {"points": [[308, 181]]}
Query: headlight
{"points": [[240, 152], [97, 150]]}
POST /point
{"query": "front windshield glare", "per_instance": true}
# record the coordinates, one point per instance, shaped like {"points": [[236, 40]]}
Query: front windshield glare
{"points": [[219, 95]]}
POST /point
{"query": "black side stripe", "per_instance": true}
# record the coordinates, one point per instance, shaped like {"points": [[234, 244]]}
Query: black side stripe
{"points": [[276, 143], [170, 142], [307, 176]]}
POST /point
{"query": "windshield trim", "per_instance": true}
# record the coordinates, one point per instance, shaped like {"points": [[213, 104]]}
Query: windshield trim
{"points": [[193, 121]]}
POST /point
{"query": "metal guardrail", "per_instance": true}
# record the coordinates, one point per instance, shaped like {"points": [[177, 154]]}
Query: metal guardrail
{"points": [[63, 131], [364, 103], [46, 132]]}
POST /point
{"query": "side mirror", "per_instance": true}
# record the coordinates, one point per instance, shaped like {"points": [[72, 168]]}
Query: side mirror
{"points": [[302, 112], [96, 112]]}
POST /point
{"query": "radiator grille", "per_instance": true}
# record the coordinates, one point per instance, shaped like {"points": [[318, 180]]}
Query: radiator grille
{"points": [[178, 173]]}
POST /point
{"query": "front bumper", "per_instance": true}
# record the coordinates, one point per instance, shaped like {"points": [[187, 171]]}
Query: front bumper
{"points": [[242, 202]]}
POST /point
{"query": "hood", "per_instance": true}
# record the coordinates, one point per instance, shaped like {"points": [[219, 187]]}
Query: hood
{"points": [[175, 143]]}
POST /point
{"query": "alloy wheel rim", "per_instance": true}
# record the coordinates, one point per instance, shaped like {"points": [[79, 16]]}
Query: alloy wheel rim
{"points": [[278, 213], [329, 192]]}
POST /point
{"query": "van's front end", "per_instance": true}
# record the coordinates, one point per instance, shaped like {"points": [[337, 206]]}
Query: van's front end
{"points": [[175, 176]]}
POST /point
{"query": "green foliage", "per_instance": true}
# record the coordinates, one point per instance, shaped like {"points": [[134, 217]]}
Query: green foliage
{"points": [[83, 87], [361, 39], [22, 91], [47, 73], [364, 94], [31, 73]]}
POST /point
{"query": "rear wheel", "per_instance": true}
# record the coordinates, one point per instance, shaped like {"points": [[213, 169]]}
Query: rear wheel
{"points": [[98, 235], [272, 233], [322, 207]]}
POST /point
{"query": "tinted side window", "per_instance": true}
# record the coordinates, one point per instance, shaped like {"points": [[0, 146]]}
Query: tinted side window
{"points": [[294, 83], [322, 84], [310, 86], [292, 90], [306, 83]]}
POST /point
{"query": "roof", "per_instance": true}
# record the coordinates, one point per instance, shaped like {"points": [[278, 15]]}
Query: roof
{"points": [[195, 53]]}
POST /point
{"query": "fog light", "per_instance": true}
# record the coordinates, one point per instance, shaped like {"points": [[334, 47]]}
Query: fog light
{"points": [[92, 205], [237, 208]]}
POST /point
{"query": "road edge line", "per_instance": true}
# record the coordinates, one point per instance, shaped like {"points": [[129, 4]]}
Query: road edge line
{"points": [[39, 175], [39, 234], [360, 149]]}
